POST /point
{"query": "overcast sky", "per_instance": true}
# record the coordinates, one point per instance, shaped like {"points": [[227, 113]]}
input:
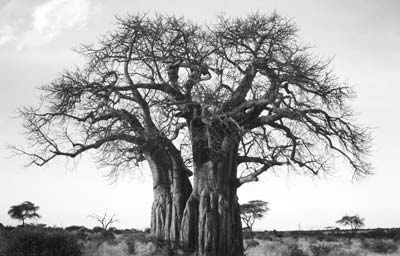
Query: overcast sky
{"points": [[36, 38]]}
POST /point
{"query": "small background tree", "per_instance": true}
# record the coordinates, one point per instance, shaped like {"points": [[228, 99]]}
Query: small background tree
{"points": [[251, 211], [355, 222], [26, 210], [104, 221]]}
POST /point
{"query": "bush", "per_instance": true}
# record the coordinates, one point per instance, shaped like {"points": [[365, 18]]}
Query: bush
{"points": [[294, 250], [40, 242], [75, 228], [252, 243], [131, 246], [381, 246], [108, 235], [321, 249], [116, 231], [246, 235], [378, 233], [98, 229], [139, 237], [396, 237], [8, 228], [81, 235], [263, 235], [341, 252]]}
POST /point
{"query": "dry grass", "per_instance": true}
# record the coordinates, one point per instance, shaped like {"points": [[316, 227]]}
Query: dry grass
{"points": [[287, 246], [311, 247], [133, 242]]}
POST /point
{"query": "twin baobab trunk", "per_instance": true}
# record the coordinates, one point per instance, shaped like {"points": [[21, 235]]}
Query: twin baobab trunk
{"points": [[171, 188], [205, 220], [211, 223]]}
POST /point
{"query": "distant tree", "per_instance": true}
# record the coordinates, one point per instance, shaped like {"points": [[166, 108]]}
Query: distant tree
{"points": [[103, 220], [355, 222], [251, 211], [26, 210]]}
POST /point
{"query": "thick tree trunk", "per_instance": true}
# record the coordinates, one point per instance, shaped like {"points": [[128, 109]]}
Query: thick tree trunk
{"points": [[211, 224], [171, 188]]}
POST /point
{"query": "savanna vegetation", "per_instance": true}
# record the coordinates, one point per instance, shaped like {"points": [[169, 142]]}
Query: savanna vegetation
{"points": [[80, 241]]}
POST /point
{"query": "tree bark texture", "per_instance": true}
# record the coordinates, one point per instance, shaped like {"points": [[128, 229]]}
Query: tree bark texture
{"points": [[171, 188], [211, 224]]}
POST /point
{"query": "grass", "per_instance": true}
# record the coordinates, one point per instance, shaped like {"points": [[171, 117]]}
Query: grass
{"points": [[304, 243], [312, 246]]}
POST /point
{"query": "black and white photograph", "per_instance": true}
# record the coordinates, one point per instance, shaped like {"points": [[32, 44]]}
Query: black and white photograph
{"points": [[199, 128]]}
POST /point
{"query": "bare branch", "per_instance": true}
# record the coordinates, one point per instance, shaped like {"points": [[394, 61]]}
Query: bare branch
{"points": [[104, 221]]}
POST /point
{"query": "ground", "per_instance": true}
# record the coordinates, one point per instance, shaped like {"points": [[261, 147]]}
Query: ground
{"points": [[129, 242]]}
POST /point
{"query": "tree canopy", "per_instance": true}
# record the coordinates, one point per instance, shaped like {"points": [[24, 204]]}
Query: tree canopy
{"points": [[251, 211], [355, 222], [23, 211], [152, 75]]}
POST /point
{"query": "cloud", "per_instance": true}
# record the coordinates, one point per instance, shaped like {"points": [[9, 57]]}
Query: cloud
{"points": [[4, 3], [52, 18], [6, 34], [37, 22]]}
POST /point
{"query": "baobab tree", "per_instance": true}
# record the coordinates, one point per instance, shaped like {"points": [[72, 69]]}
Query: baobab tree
{"points": [[225, 103]]}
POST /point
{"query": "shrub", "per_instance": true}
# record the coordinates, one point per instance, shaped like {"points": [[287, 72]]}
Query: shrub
{"points": [[139, 237], [396, 236], [252, 243], [278, 234], [131, 246], [40, 242], [8, 228], [341, 252], [246, 235], [108, 235], [263, 235], [321, 249], [75, 228], [378, 233], [98, 229], [116, 231], [81, 235], [330, 238], [381, 246], [294, 250]]}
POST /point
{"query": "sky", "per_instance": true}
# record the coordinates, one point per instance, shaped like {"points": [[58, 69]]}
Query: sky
{"points": [[363, 36]]}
